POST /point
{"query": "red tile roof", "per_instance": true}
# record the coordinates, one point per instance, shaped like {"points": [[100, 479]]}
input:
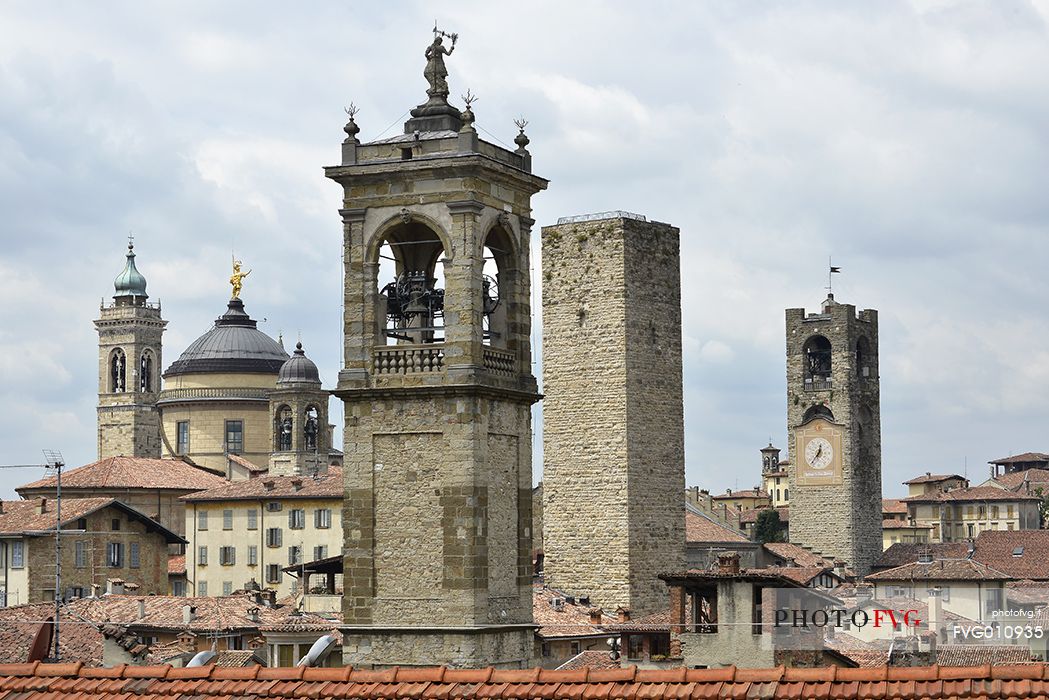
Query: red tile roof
{"points": [[329, 485], [933, 478], [974, 494], [24, 517], [1019, 459], [751, 516], [1015, 480], [250, 466], [745, 493], [20, 624], [797, 554], [569, 621], [940, 570], [904, 553], [980, 654], [591, 658], [700, 527], [177, 565], [893, 505], [995, 548], [76, 682], [894, 523], [132, 473]]}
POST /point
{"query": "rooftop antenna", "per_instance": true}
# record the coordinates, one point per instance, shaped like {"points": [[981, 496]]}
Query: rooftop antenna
{"points": [[830, 276], [55, 462]]}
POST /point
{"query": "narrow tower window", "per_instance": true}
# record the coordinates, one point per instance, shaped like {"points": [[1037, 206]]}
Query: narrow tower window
{"points": [[117, 371], [285, 428], [145, 373], [310, 428]]}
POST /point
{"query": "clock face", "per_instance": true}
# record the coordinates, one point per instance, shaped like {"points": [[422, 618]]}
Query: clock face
{"points": [[819, 453]]}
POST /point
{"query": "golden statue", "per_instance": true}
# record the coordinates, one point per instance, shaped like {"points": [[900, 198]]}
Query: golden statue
{"points": [[237, 278]]}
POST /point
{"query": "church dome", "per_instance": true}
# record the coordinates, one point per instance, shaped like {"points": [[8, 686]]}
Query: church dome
{"points": [[130, 282], [233, 345], [299, 369]]}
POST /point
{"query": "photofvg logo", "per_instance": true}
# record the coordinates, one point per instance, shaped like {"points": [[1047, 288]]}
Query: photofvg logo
{"points": [[841, 618]]}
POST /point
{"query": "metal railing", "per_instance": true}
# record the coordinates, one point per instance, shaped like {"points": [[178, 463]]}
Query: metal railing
{"points": [[600, 215]]}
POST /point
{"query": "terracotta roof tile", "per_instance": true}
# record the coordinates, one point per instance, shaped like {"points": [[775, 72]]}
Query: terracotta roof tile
{"points": [[940, 570], [1020, 458], [975, 494], [18, 517], [744, 493], [328, 485], [132, 472], [998, 549], [176, 564], [751, 516], [905, 553], [933, 478], [1014, 480], [250, 466], [798, 554], [893, 505], [572, 620], [700, 527]]}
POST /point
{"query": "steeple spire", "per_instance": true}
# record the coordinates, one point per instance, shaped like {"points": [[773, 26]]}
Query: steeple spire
{"points": [[130, 284]]}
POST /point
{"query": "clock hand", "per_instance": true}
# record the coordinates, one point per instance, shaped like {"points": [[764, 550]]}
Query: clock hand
{"points": [[819, 451]]}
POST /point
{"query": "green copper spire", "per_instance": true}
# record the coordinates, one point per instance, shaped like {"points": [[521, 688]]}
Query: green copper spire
{"points": [[130, 282]]}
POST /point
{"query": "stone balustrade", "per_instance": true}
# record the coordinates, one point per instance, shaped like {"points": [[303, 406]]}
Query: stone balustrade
{"points": [[408, 359]]}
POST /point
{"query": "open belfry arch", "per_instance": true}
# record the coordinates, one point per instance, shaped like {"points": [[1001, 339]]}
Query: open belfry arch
{"points": [[437, 385]]}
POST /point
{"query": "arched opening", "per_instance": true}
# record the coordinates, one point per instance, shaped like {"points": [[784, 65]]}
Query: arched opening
{"points": [[863, 358], [410, 285], [145, 372], [817, 353], [117, 371], [283, 429], [817, 411], [496, 283], [311, 427]]}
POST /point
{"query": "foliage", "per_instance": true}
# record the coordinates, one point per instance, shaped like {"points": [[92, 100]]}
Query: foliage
{"points": [[767, 526]]}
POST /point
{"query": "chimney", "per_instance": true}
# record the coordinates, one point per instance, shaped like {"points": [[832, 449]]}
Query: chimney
{"points": [[269, 597], [728, 563], [935, 611], [96, 589], [839, 567], [623, 614], [253, 614], [296, 484], [189, 614], [141, 609], [268, 483], [595, 616], [41, 506], [115, 586]]}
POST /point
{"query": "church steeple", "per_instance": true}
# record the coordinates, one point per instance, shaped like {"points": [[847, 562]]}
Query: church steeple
{"points": [[130, 285]]}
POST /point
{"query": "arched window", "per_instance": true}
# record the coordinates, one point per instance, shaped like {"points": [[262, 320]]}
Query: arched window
{"points": [[145, 372], [817, 411], [311, 427], [410, 284], [496, 283], [117, 371], [863, 357], [817, 353], [284, 429]]}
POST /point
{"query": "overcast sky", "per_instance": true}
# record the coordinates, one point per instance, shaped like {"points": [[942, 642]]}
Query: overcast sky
{"points": [[908, 140]]}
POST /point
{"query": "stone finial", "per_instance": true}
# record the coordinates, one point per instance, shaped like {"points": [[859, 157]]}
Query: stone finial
{"points": [[467, 114], [351, 127], [521, 140]]}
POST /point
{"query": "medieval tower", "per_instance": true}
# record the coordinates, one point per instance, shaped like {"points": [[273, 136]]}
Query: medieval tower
{"points": [[437, 390], [129, 334], [834, 426], [613, 431]]}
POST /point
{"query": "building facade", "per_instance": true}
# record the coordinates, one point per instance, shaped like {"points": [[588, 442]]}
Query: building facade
{"points": [[613, 436], [834, 424], [437, 390]]}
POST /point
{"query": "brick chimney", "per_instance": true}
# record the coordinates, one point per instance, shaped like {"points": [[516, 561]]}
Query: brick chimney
{"points": [[728, 563], [595, 616], [41, 506], [623, 614]]}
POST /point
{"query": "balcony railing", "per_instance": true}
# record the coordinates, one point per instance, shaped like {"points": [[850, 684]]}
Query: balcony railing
{"points": [[408, 359], [499, 361], [818, 383], [214, 394]]}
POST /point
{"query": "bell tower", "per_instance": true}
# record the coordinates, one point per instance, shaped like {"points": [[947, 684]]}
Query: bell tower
{"points": [[129, 335], [834, 423], [437, 388]]}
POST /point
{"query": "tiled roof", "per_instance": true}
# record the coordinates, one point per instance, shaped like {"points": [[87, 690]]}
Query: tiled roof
{"points": [[904, 553], [132, 473], [75, 682], [570, 621], [940, 570], [979, 654], [700, 527], [1015, 480], [250, 466], [591, 658], [996, 548], [751, 516], [177, 565], [18, 517], [933, 478], [20, 624], [893, 505], [327, 485], [894, 524], [1025, 457], [800, 574], [745, 493], [975, 493], [797, 554], [230, 658]]}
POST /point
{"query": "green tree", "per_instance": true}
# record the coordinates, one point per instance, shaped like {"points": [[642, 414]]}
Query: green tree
{"points": [[767, 527]]}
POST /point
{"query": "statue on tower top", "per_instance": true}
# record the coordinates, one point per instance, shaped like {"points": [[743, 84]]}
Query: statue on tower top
{"points": [[435, 72], [237, 278]]}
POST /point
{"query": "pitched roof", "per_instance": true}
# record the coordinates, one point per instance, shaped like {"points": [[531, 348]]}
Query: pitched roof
{"points": [[974, 493], [20, 625], [928, 478], [750, 516], [24, 517], [569, 621], [75, 682], [898, 524], [940, 570], [700, 527], [328, 485], [250, 466], [1015, 480], [1022, 554], [797, 554], [893, 505], [980, 654], [745, 493], [176, 564], [1021, 458], [590, 658], [906, 552], [801, 574], [132, 473]]}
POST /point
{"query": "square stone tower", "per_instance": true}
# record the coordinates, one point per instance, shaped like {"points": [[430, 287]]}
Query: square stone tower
{"points": [[613, 435], [129, 345], [437, 388], [834, 424]]}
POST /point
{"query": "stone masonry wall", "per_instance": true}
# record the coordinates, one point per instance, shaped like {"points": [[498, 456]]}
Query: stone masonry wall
{"points": [[839, 521], [612, 416]]}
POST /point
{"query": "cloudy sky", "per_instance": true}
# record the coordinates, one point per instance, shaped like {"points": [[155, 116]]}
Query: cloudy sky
{"points": [[908, 140]]}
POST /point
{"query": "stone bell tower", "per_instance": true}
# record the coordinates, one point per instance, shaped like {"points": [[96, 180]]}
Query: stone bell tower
{"points": [[129, 334], [437, 390], [299, 414], [834, 424]]}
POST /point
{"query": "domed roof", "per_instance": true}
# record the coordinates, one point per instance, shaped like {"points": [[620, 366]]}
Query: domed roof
{"points": [[233, 345], [299, 369], [130, 282]]}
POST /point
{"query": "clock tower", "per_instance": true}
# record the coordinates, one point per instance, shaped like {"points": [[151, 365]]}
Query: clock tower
{"points": [[834, 423]]}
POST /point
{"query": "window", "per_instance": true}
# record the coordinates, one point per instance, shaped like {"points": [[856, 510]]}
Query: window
{"points": [[320, 552], [274, 537], [178, 588], [115, 525], [202, 520], [117, 371], [273, 573], [115, 555], [182, 437], [227, 588], [634, 646], [253, 555], [253, 519], [202, 588], [202, 555], [146, 372], [286, 653], [227, 557], [322, 518], [234, 436], [1009, 511], [296, 518], [294, 555], [994, 512], [80, 555], [274, 506], [786, 494], [133, 555], [76, 592], [17, 555], [81, 524], [227, 519]]}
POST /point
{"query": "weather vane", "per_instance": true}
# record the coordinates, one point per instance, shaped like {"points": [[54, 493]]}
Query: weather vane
{"points": [[830, 276]]}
